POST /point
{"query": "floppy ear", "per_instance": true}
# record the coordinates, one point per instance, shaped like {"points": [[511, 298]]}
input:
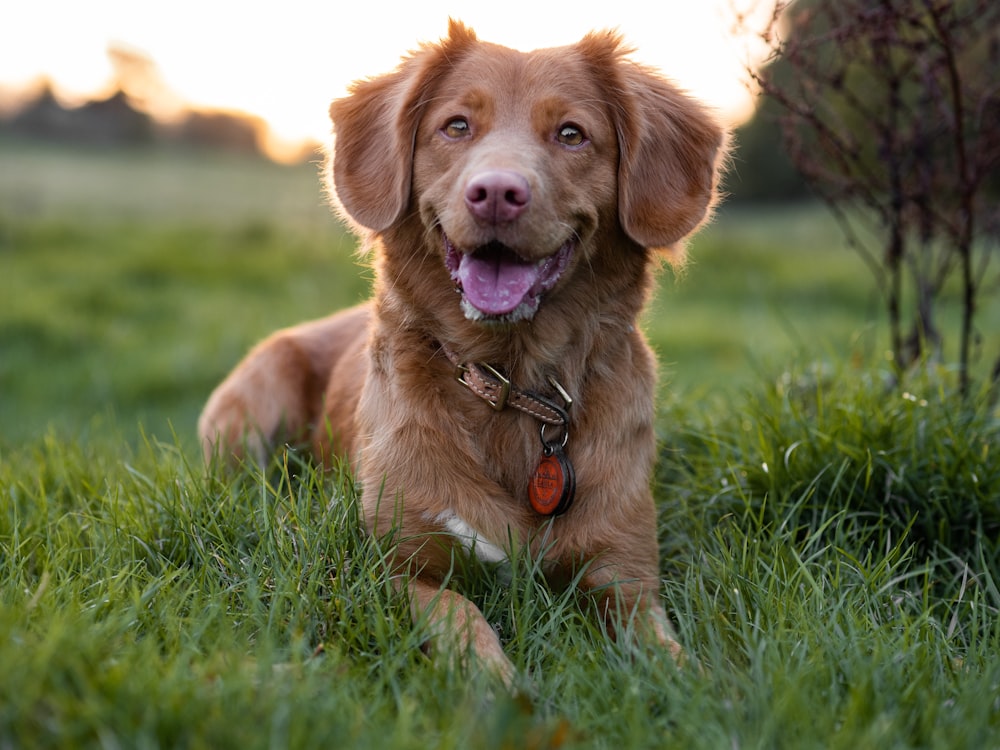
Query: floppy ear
{"points": [[375, 125], [671, 150]]}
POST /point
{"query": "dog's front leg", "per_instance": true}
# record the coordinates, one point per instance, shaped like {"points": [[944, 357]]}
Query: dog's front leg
{"points": [[629, 606], [656, 624], [458, 628]]}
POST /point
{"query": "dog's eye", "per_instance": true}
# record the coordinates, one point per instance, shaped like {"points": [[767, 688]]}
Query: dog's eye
{"points": [[457, 128], [570, 135]]}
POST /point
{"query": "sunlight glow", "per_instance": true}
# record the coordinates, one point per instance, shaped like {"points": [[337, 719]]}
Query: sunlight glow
{"points": [[285, 62]]}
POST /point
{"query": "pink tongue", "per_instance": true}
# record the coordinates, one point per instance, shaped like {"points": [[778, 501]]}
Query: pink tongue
{"points": [[496, 282]]}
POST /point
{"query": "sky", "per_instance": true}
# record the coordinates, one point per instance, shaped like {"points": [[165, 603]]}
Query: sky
{"points": [[285, 61]]}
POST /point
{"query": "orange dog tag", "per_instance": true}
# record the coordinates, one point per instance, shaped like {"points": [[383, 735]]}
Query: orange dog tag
{"points": [[553, 484]]}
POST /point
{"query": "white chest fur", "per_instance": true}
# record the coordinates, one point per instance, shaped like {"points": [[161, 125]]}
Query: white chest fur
{"points": [[471, 539]]}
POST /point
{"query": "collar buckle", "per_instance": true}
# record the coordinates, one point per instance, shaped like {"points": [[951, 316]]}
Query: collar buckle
{"points": [[496, 389]]}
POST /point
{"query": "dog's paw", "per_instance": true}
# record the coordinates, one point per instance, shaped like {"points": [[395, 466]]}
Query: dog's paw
{"points": [[228, 432]]}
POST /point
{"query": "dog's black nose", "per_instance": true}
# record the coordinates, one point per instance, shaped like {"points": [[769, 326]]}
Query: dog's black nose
{"points": [[497, 196]]}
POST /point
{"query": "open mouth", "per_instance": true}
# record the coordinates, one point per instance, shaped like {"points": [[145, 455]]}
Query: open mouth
{"points": [[498, 284]]}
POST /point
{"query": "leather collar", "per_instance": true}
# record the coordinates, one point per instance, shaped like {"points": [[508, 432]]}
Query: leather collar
{"points": [[495, 389]]}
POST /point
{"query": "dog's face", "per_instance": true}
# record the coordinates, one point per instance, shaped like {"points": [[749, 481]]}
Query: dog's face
{"points": [[514, 170], [523, 166]]}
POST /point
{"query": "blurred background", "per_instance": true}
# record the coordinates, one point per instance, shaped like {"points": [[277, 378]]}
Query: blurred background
{"points": [[161, 207]]}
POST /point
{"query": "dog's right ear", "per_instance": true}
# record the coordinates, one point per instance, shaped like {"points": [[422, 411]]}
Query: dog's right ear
{"points": [[371, 165]]}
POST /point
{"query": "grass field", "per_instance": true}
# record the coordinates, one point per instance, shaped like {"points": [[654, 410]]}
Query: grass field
{"points": [[830, 543]]}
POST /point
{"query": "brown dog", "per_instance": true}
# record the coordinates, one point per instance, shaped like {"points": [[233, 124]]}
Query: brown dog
{"points": [[496, 393]]}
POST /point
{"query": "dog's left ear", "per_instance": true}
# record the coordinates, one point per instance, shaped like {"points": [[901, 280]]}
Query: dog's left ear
{"points": [[672, 150]]}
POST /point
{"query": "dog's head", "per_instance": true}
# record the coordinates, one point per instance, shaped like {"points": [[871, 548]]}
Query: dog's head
{"points": [[516, 162]]}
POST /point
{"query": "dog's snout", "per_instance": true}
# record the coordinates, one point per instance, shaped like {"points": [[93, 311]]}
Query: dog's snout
{"points": [[497, 196]]}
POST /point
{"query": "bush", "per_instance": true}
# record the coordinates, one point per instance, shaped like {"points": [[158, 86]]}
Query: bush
{"points": [[916, 465]]}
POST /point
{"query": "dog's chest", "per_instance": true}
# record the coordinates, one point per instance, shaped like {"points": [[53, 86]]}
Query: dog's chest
{"points": [[471, 539], [509, 450]]}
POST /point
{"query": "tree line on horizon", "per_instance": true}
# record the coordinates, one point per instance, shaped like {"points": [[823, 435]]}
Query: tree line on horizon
{"points": [[116, 122]]}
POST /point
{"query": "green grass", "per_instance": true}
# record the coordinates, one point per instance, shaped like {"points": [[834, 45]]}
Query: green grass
{"points": [[145, 603], [830, 542], [132, 282]]}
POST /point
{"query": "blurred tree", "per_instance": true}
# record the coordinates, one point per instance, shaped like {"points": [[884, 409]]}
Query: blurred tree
{"points": [[761, 170], [108, 122], [890, 109], [232, 131], [138, 75]]}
